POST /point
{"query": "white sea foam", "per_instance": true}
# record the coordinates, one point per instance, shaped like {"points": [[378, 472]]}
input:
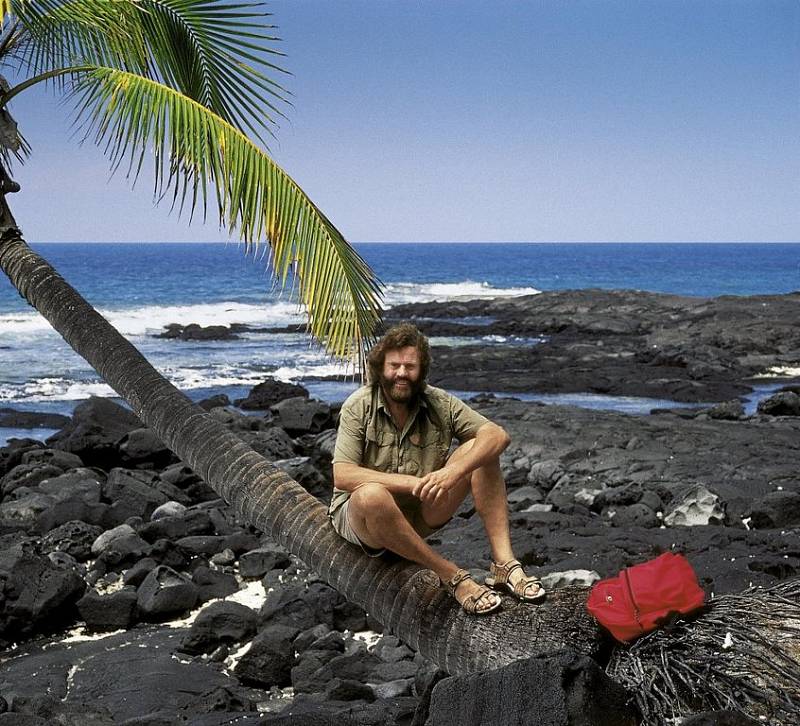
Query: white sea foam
{"points": [[298, 372], [150, 318], [184, 378], [55, 389], [398, 293], [190, 378], [781, 372], [21, 323]]}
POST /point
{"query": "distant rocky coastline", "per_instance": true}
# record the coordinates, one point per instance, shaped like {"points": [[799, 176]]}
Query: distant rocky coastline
{"points": [[617, 342], [103, 529]]}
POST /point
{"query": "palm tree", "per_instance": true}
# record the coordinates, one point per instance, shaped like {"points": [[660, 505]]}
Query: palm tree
{"points": [[182, 77]]}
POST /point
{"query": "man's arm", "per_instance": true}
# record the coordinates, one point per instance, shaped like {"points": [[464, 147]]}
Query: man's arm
{"points": [[490, 440], [347, 477]]}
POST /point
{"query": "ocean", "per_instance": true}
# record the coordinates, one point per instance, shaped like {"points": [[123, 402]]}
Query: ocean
{"points": [[141, 288]]}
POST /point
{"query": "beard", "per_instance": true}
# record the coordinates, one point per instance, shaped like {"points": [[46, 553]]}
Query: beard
{"points": [[403, 394]]}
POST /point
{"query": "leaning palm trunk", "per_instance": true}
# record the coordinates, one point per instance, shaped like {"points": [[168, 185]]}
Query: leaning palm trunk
{"points": [[405, 598]]}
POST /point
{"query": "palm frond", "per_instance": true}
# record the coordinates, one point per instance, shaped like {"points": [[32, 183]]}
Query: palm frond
{"points": [[217, 52], [63, 33], [198, 154]]}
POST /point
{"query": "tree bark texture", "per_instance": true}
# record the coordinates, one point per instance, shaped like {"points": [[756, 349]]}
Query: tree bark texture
{"points": [[405, 598]]}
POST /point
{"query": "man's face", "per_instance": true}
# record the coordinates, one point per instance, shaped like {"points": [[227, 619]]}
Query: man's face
{"points": [[400, 376]]}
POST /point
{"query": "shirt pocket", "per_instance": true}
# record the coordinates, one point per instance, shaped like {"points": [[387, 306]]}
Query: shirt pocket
{"points": [[380, 451], [429, 451]]}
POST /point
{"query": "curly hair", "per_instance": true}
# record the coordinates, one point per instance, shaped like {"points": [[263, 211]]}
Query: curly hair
{"points": [[399, 336]]}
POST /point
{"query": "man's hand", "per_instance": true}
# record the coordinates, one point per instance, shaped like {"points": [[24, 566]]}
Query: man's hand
{"points": [[435, 487]]}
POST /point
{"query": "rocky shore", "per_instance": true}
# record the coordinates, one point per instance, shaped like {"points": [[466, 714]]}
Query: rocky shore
{"points": [[130, 594], [616, 342]]}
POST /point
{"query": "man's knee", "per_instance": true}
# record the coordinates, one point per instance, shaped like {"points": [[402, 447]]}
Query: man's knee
{"points": [[489, 473], [372, 498]]}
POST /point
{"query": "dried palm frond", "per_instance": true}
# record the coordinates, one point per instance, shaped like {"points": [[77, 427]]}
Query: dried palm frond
{"points": [[743, 654]]}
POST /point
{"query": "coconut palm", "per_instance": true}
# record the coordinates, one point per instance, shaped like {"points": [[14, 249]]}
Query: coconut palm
{"points": [[193, 81]]}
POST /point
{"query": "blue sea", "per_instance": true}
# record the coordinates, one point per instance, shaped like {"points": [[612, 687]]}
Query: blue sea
{"points": [[141, 288]]}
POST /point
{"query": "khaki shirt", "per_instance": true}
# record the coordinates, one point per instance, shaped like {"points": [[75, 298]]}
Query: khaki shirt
{"points": [[368, 437]]}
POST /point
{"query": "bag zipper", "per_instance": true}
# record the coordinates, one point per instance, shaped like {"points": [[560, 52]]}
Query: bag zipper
{"points": [[633, 600]]}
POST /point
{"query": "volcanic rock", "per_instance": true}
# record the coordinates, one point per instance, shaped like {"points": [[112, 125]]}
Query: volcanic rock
{"points": [[583, 578], [165, 592], [562, 689], [36, 594], [256, 563], [301, 606], [339, 689], [300, 415], [74, 538], [698, 507], [107, 612], [9, 418], [784, 403], [132, 494], [268, 661], [727, 411], [615, 342], [158, 687], [169, 509], [220, 622], [143, 449], [221, 400], [27, 475], [11, 454], [776, 509], [95, 428], [193, 331], [267, 394], [52, 457]]}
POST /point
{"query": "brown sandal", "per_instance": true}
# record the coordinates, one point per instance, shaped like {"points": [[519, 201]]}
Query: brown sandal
{"points": [[498, 580], [470, 604]]}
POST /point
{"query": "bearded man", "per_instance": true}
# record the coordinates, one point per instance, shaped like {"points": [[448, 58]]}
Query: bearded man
{"points": [[395, 482]]}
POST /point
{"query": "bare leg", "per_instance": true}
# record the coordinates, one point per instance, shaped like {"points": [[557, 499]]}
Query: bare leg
{"points": [[491, 503], [379, 523], [489, 493]]}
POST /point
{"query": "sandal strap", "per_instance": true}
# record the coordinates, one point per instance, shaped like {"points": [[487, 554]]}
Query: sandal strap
{"points": [[470, 603], [502, 571], [456, 580], [524, 583]]}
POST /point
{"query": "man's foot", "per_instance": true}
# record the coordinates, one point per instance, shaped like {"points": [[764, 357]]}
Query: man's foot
{"points": [[510, 577], [474, 599]]}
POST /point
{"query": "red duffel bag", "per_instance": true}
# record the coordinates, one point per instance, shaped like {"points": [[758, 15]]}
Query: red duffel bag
{"points": [[645, 596]]}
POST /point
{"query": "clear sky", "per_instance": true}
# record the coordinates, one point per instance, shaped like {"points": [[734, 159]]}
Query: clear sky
{"points": [[462, 120]]}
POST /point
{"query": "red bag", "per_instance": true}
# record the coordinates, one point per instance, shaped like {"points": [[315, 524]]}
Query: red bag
{"points": [[645, 596]]}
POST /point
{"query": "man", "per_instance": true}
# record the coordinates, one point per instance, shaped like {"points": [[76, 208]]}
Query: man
{"points": [[394, 483]]}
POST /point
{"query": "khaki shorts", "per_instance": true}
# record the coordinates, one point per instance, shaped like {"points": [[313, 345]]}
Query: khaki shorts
{"points": [[411, 507]]}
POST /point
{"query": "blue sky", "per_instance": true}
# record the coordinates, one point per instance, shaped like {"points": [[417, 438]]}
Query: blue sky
{"points": [[495, 121]]}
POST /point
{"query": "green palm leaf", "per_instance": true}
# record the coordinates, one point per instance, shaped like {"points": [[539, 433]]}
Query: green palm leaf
{"points": [[54, 34], [196, 152], [213, 51]]}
